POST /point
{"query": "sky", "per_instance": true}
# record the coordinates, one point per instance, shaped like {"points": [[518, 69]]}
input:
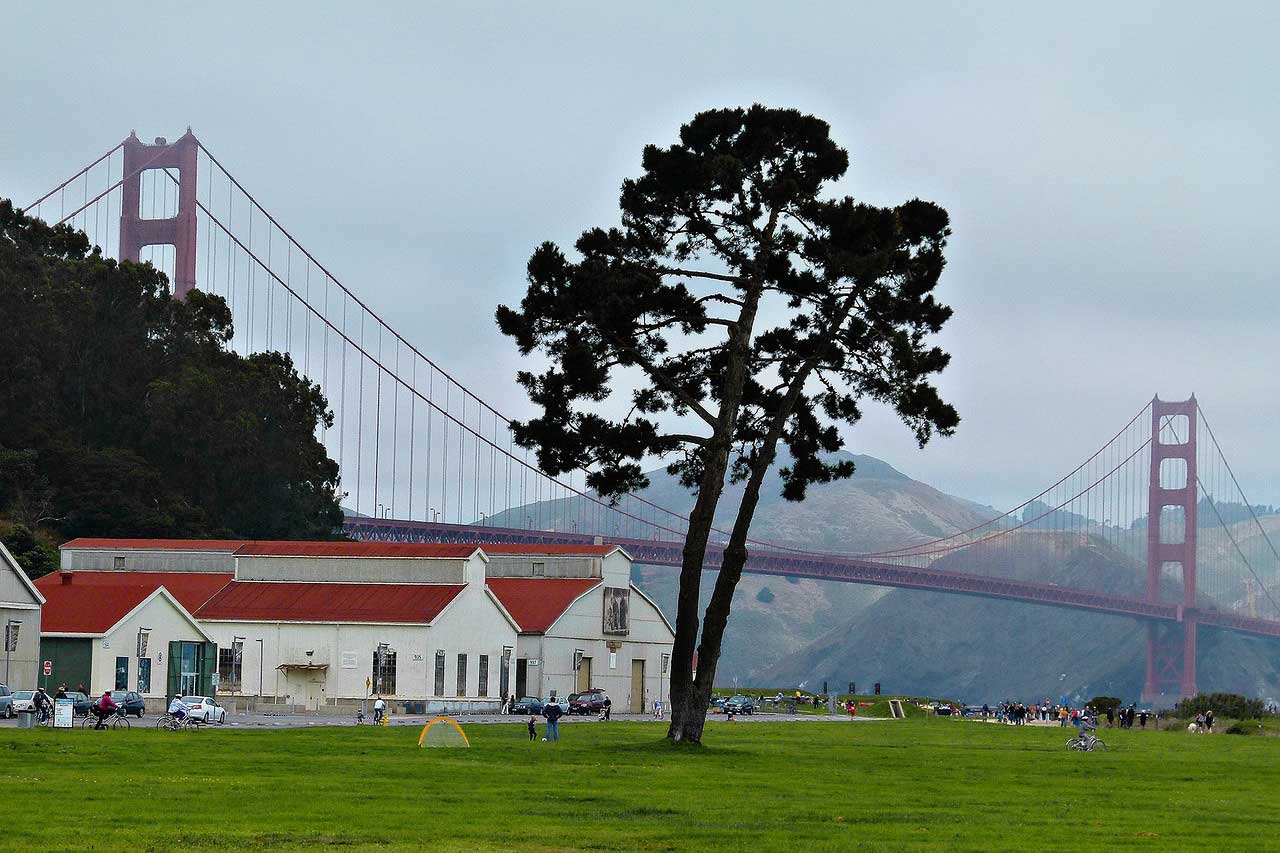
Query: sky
{"points": [[1110, 171]]}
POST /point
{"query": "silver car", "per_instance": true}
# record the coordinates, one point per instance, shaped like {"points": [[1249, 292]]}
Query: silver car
{"points": [[562, 701], [6, 701]]}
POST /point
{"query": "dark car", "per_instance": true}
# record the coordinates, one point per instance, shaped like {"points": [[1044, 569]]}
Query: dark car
{"points": [[739, 705], [590, 702], [130, 701], [82, 702], [527, 705]]}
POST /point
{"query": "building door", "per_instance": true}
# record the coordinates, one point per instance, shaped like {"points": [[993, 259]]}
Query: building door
{"points": [[637, 686], [584, 675], [522, 677], [315, 695]]}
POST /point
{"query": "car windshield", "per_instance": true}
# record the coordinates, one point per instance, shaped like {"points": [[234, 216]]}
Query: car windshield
{"points": [[529, 699], [24, 694], [739, 698]]}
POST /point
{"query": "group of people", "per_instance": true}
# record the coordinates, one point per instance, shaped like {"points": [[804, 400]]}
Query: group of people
{"points": [[1204, 722], [1019, 714]]}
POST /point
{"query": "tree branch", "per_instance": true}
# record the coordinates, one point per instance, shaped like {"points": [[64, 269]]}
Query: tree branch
{"points": [[699, 274]]}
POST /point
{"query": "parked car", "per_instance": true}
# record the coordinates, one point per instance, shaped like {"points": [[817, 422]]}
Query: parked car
{"points": [[130, 701], [739, 704], [6, 701], [527, 705], [589, 702], [81, 703], [557, 700], [22, 701], [203, 709]]}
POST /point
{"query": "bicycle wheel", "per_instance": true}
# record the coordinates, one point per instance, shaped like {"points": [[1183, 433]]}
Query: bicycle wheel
{"points": [[1097, 746], [1074, 743], [165, 722], [86, 721], [120, 723]]}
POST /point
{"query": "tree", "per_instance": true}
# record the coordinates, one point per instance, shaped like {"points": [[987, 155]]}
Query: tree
{"points": [[757, 311], [122, 412]]}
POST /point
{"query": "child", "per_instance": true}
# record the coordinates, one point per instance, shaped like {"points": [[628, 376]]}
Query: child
{"points": [[533, 729]]}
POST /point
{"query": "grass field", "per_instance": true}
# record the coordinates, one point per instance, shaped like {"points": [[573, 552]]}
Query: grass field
{"points": [[941, 784]]}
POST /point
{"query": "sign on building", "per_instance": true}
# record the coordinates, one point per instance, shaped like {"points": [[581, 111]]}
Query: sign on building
{"points": [[11, 636]]}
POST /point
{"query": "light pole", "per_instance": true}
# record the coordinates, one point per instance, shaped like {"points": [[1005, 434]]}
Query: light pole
{"points": [[10, 643]]}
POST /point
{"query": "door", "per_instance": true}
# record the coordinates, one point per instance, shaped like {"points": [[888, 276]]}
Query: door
{"points": [[584, 675], [637, 686], [315, 695], [522, 677]]}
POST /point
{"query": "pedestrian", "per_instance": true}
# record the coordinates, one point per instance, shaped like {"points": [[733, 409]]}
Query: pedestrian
{"points": [[608, 704], [1142, 719], [552, 712], [62, 692], [80, 688], [379, 710], [533, 729], [1208, 721], [1111, 716]]}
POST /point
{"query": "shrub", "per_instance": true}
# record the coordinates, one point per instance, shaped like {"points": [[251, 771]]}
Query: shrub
{"points": [[765, 595], [1222, 704], [1241, 727], [1102, 704]]}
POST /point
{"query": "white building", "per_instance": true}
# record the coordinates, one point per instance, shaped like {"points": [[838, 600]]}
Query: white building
{"points": [[20, 603], [322, 625]]}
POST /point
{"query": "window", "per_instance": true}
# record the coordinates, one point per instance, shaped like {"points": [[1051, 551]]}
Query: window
{"points": [[504, 671], [122, 674], [384, 671], [539, 570], [462, 675], [482, 689], [119, 562], [230, 667], [440, 673], [144, 675]]}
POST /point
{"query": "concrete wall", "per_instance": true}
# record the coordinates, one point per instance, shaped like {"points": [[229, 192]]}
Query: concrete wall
{"points": [[102, 560], [471, 624], [167, 624], [24, 663], [355, 569], [501, 566]]}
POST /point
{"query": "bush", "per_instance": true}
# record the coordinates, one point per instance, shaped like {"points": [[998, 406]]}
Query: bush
{"points": [[1241, 727], [1102, 704], [1222, 704], [765, 595]]}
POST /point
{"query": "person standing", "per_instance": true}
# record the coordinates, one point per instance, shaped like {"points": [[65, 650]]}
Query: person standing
{"points": [[608, 704], [533, 728], [552, 712], [62, 692], [1208, 721]]}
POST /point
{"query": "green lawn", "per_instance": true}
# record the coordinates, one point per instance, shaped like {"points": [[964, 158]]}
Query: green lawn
{"points": [[934, 783]]}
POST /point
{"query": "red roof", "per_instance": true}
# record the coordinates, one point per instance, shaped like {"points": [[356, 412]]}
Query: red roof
{"points": [[536, 603], [355, 549], [509, 549], [290, 601], [157, 544], [94, 601]]}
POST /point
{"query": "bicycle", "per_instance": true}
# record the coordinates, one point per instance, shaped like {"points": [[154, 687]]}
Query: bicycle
{"points": [[118, 721], [1086, 742], [171, 723]]}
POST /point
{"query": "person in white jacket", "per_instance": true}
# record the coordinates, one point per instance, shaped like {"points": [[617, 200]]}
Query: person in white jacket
{"points": [[379, 708]]}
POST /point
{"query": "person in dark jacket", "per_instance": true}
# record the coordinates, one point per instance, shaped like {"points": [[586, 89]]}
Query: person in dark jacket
{"points": [[553, 713], [533, 729], [62, 692]]}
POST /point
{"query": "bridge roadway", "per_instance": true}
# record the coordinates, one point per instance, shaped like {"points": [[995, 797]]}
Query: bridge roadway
{"points": [[818, 567]]}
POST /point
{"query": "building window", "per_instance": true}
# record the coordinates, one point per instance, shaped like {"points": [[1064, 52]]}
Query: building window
{"points": [[144, 675], [384, 671], [482, 689], [539, 570], [462, 675], [440, 673], [230, 667], [122, 673], [119, 562]]}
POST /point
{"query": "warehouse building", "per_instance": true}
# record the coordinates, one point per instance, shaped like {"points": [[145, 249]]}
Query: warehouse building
{"points": [[20, 605], [322, 625]]}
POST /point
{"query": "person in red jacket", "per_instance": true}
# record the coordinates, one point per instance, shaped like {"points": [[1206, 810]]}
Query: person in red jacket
{"points": [[104, 708]]}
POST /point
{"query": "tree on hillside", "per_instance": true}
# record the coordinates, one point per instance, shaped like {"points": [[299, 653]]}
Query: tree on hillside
{"points": [[757, 310], [123, 413]]}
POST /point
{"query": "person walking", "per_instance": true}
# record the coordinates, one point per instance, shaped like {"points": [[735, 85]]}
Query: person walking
{"points": [[1208, 721], [608, 704], [533, 728], [553, 713]]}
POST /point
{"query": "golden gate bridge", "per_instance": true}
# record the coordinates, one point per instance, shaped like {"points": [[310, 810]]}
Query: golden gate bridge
{"points": [[1154, 525]]}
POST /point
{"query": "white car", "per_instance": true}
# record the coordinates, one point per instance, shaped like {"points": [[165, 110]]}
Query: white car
{"points": [[562, 701], [23, 701], [203, 709]]}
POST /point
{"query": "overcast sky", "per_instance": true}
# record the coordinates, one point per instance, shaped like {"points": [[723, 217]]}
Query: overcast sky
{"points": [[1110, 170]]}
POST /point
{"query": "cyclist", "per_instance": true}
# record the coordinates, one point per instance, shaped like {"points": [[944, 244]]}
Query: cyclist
{"points": [[379, 711], [178, 709], [103, 708], [43, 704]]}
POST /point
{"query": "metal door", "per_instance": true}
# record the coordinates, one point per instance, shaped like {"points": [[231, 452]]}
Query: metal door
{"points": [[637, 686]]}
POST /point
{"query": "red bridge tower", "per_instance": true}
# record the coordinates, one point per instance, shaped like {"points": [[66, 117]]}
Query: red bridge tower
{"points": [[178, 231], [1171, 647]]}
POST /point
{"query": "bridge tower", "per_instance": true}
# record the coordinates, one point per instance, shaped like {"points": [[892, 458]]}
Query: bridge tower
{"points": [[178, 231], [1171, 647]]}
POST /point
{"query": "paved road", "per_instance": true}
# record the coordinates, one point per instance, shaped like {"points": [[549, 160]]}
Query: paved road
{"points": [[299, 721]]}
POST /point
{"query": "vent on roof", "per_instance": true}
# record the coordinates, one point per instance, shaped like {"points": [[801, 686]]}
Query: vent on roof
{"points": [[539, 570], [66, 578]]}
